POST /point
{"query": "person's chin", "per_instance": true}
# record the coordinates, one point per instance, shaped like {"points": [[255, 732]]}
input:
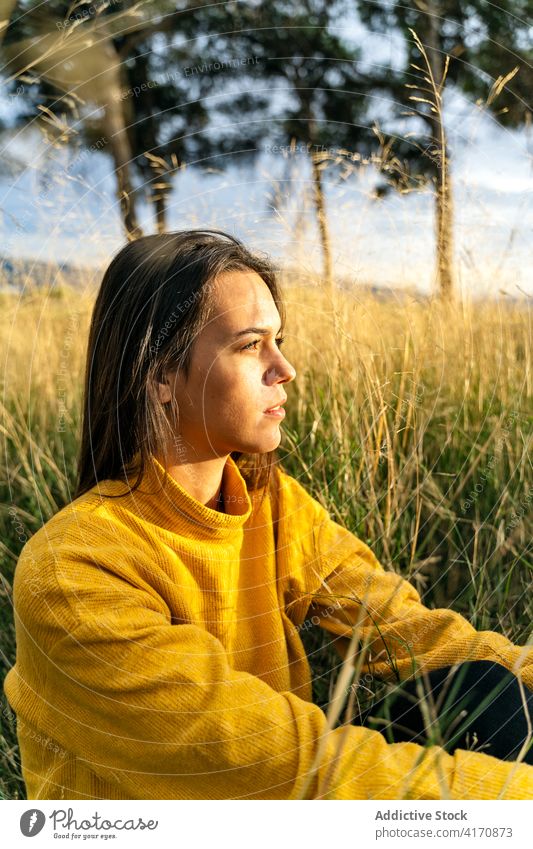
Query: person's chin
{"points": [[263, 445], [272, 443]]}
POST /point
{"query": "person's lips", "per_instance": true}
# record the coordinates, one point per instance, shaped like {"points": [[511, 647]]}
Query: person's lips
{"points": [[277, 411], [277, 406]]}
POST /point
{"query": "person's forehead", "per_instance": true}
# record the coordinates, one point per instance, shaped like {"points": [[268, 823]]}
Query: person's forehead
{"points": [[242, 298]]}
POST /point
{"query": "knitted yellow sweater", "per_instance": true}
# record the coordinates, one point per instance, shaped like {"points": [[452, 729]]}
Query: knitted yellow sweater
{"points": [[159, 656]]}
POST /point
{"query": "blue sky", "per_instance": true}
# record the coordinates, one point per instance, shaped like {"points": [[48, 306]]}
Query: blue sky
{"points": [[388, 242]]}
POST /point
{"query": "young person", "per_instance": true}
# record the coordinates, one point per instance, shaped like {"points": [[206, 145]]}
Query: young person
{"points": [[158, 615]]}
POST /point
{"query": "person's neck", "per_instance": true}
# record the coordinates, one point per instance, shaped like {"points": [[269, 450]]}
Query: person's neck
{"points": [[202, 479]]}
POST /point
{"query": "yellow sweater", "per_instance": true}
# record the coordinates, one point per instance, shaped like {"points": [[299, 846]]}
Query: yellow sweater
{"points": [[159, 656]]}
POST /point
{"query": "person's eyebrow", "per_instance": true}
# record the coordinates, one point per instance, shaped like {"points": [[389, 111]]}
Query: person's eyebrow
{"points": [[261, 331]]}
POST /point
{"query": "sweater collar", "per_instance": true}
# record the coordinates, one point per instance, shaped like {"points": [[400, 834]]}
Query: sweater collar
{"points": [[175, 509]]}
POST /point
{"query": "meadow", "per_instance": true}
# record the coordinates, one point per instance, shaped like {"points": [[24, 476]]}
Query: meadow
{"points": [[410, 420]]}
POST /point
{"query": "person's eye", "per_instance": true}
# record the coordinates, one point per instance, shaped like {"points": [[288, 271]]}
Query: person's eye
{"points": [[250, 345]]}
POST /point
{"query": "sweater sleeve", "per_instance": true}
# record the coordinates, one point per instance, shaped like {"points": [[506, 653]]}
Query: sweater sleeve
{"points": [[344, 580], [158, 709]]}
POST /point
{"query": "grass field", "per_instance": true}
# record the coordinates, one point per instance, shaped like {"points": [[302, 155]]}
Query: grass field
{"points": [[409, 420]]}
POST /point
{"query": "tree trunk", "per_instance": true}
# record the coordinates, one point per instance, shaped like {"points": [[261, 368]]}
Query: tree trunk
{"points": [[89, 68], [115, 131], [142, 131], [320, 208], [160, 206]]}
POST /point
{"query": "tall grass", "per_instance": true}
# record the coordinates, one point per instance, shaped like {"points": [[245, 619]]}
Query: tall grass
{"points": [[409, 420]]}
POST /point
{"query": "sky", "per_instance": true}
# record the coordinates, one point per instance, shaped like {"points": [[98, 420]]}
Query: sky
{"points": [[389, 242]]}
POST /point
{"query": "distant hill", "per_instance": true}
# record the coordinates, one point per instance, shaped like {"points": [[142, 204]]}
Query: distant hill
{"points": [[25, 275], [20, 275]]}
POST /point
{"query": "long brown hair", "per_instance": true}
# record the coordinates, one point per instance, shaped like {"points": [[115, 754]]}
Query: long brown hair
{"points": [[153, 301]]}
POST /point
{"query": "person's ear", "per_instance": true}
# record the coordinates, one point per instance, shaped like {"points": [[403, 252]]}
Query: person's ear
{"points": [[163, 387], [163, 392]]}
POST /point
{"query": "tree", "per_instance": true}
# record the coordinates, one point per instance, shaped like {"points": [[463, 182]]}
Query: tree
{"points": [[70, 66], [166, 113], [319, 106], [82, 56], [471, 45]]}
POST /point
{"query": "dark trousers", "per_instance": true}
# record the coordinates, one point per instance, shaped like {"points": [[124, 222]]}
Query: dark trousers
{"points": [[475, 705]]}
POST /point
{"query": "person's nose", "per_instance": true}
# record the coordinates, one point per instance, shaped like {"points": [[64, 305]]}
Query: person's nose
{"points": [[281, 371]]}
